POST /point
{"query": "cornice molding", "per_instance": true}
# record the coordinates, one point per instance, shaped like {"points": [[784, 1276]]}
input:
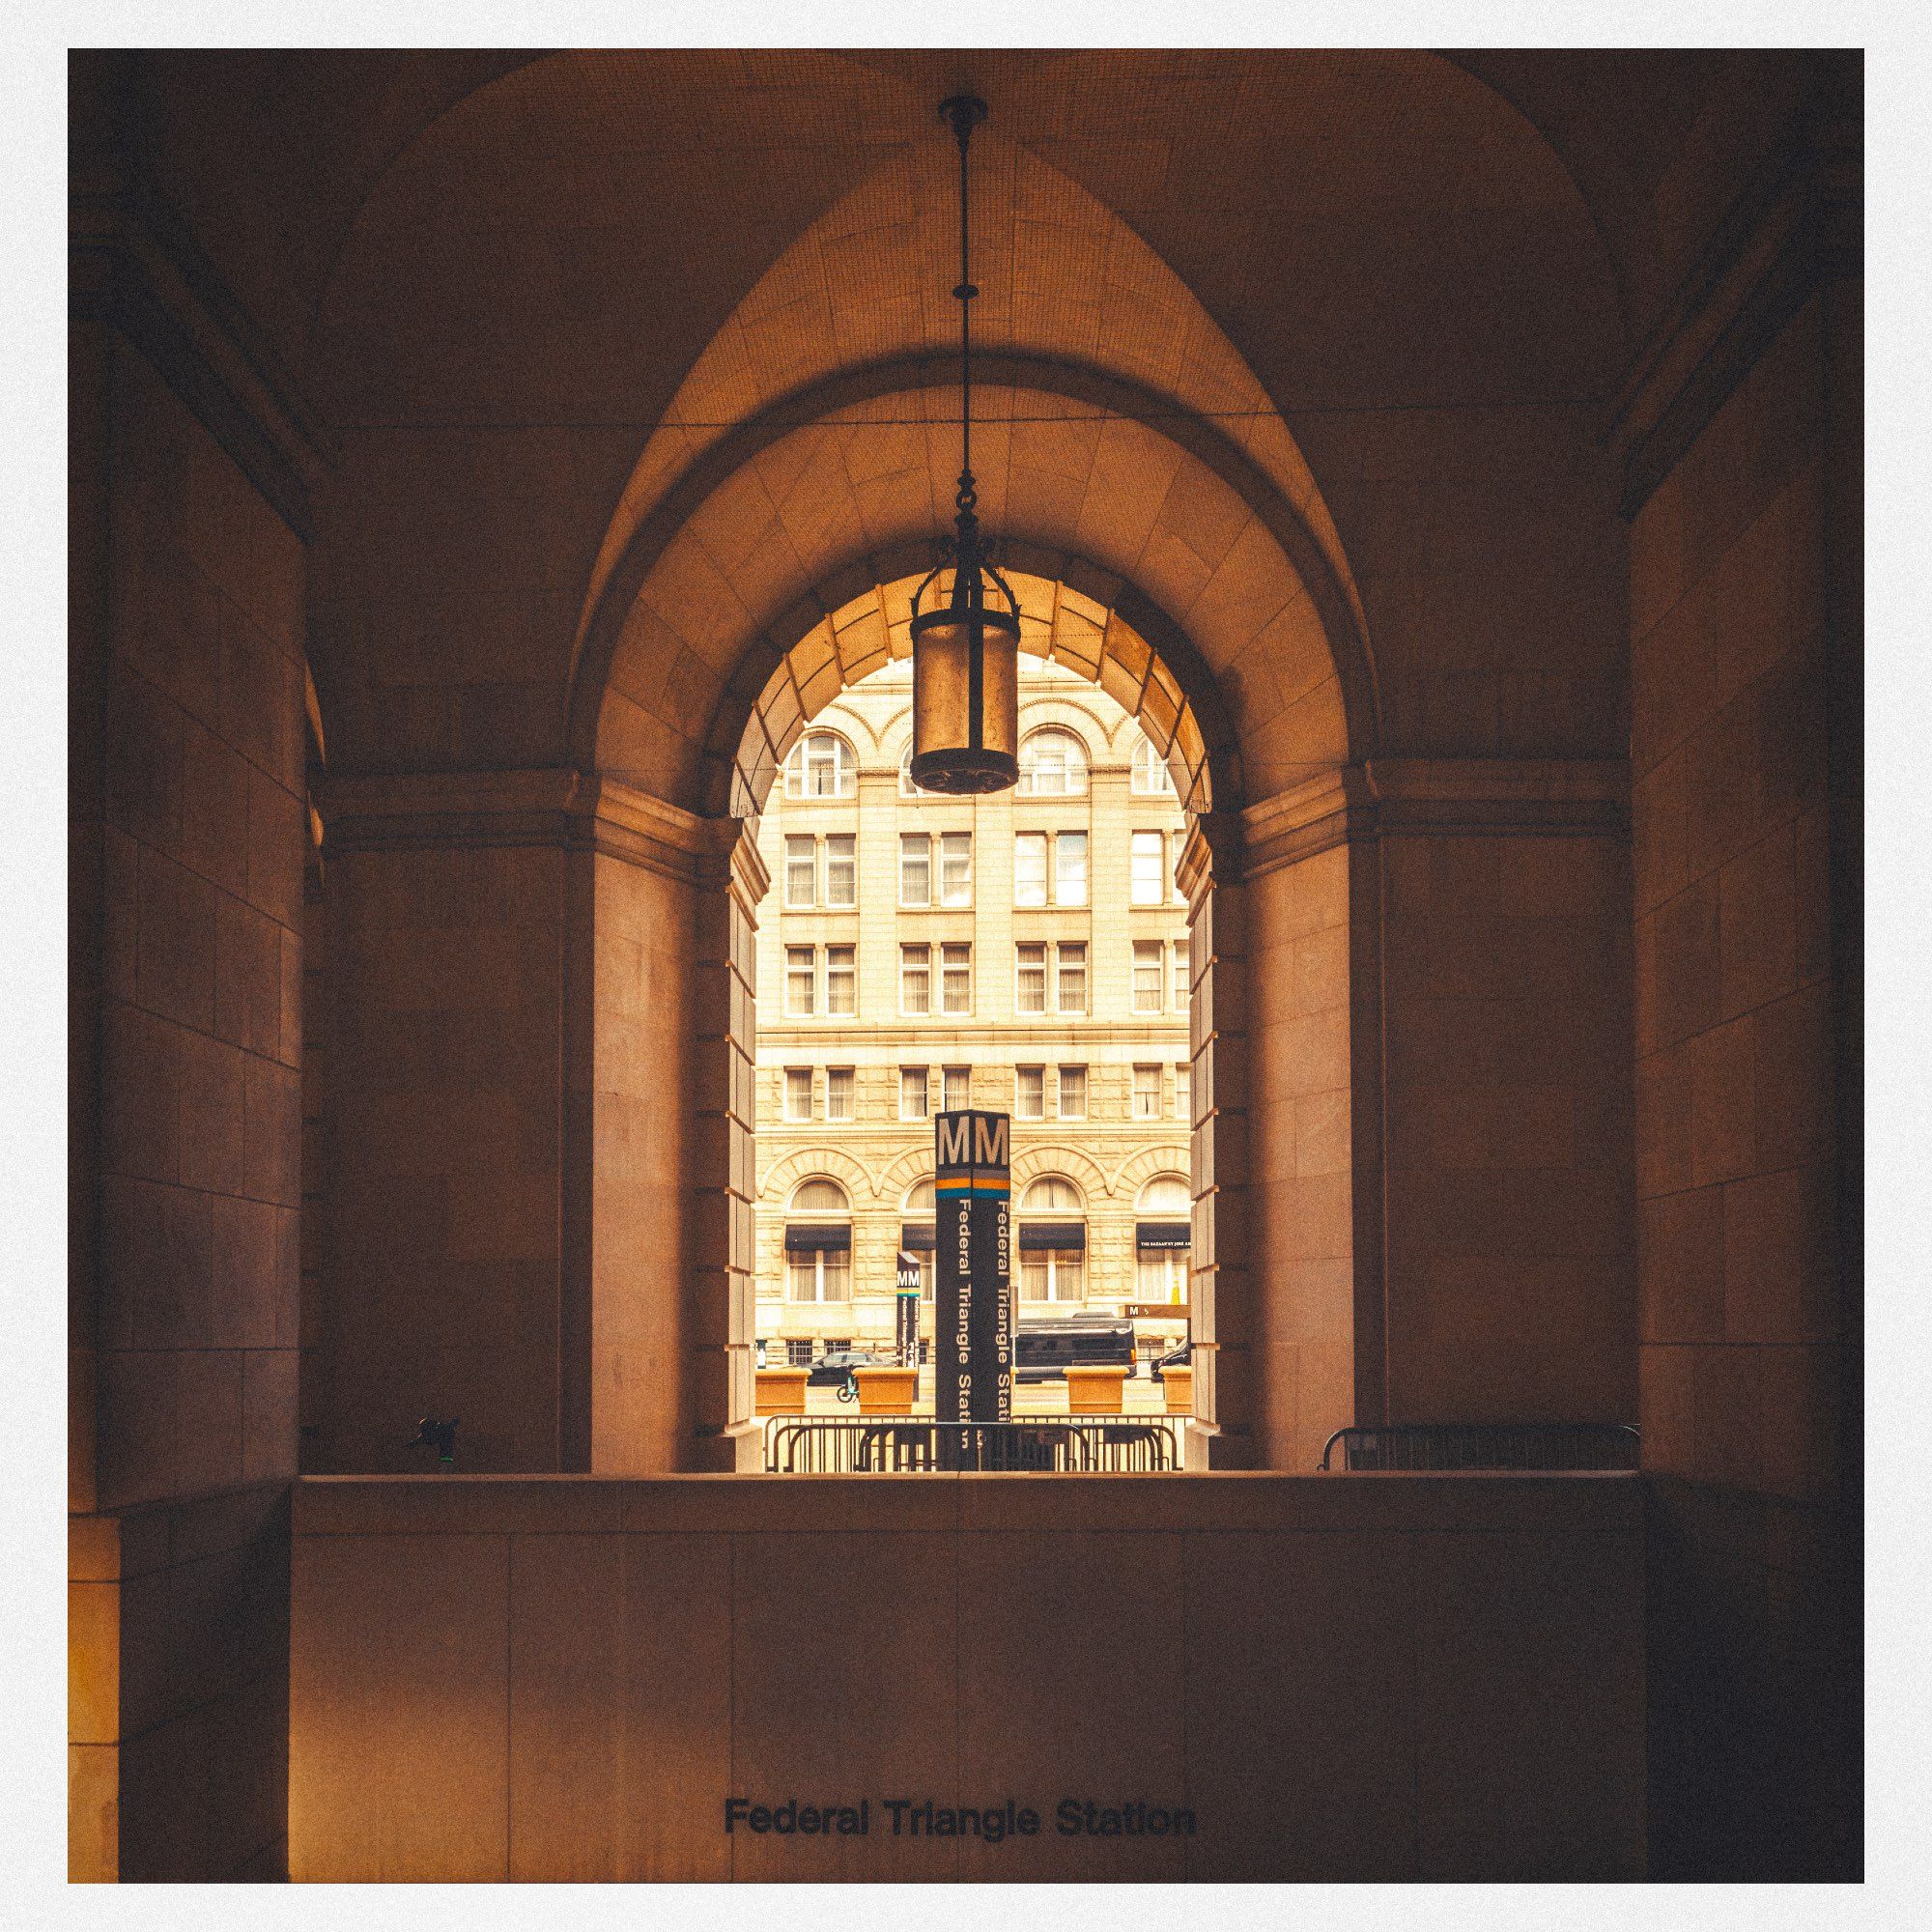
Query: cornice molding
{"points": [[553, 807], [1418, 797], [1798, 226], [132, 263]]}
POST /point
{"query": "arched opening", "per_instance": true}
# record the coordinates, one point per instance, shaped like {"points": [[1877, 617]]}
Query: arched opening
{"points": [[1190, 571], [992, 953], [818, 1243]]}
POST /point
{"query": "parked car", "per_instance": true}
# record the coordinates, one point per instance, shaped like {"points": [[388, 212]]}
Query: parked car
{"points": [[1175, 1358], [833, 1367]]}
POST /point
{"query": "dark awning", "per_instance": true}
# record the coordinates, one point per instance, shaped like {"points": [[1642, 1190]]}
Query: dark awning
{"points": [[803, 1234], [1164, 1234], [1053, 1234], [917, 1237]]}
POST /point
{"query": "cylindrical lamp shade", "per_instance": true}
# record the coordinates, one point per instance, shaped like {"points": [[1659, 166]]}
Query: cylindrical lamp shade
{"points": [[965, 698]]}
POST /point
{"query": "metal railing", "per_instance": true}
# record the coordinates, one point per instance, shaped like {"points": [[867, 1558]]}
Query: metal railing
{"points": [[1089, 1445], [1487, 1445]]}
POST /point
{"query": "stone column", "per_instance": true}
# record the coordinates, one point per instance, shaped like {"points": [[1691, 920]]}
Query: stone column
{"points": [[538, 1217], [723, 1169], [1222, 1317]]}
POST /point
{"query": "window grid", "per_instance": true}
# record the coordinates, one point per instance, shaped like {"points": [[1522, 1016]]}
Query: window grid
{"points": [[1029, 868], [821, 765], [915, 868], [1072, 990], [916, 978], [1151, 776], [1147, 1093], [1147, 878], [1030, 990], [841, 980], [798, 1094], [841, 871], [915, 1094], [956, 978], [1147, 986], [1030, 1093], [1070, 869], [956, 869], [801, 979], [1073, 1094], [838, 1093]]}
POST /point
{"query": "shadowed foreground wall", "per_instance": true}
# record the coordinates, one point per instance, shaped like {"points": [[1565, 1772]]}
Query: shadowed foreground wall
{"points": [[187, 774], [1372, 1677], [1745, 568]]}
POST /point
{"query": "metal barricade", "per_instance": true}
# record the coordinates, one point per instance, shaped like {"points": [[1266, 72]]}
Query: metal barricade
{"points": [[1486, 1445], [899, 1445]]}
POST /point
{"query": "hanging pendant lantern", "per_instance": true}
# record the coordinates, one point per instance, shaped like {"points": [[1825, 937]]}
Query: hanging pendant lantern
{"points": [[965, 651]]}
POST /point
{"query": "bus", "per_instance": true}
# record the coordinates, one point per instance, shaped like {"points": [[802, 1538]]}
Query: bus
{"points": [[1044, 1351]]}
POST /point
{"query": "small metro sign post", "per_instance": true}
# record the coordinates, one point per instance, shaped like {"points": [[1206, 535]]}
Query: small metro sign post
{"points": [[973, 1303]]}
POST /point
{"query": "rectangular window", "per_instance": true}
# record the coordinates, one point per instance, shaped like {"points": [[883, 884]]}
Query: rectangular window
{"points": [[1052, 1274], [1147, 976], [956, 869], [1070, 869], [956, 978], [912, 1094], [800, 975], [1182, 984], [817, 1274], [1030, 868], [802, 1273], [956, 1086], [841, 980], [801, 873], [915, 978], [1147, 1093], [798, 1350], [1072, 1092], [915, 868], [798, 1093], [841, 871], [838, 1093], [1030, 1093], [1073, 976], [1029, 992], [1183, 1092], [1147, 882]]}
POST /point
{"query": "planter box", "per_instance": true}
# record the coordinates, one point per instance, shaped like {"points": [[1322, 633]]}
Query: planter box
{"points": [[1178, 1385], [782, 1391], [1094, 1390], [886, 1391]]}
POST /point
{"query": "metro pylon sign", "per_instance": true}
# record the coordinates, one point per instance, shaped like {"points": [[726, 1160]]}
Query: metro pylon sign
{"points": [[972, 1302]]}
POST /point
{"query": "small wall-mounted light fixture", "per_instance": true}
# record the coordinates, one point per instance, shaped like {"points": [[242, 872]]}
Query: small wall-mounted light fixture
{"points": [[440, 1437]]}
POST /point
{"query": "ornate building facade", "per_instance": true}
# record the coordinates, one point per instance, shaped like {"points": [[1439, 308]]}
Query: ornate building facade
{"points": [[1024, 952]]}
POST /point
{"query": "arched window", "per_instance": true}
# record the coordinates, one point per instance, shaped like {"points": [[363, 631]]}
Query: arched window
{"points": [[907, 789], [1151, 774], [1053, 764], [1163, 1240], [821, 765], [1053, 1240], [916, 1231], [818, 1251]]}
